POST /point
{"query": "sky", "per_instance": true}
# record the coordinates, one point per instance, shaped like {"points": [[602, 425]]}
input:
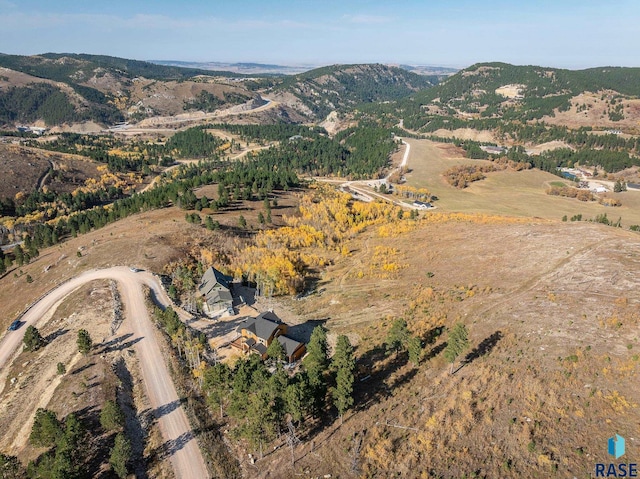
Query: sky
{"points": [[561, 33]]}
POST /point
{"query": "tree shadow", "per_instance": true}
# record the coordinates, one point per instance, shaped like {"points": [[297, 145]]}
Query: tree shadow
{"points": [[220, 328], [432, 335], [106, 345], [170, 447], [154, 299], [167, 408], [133, 425], [121, 346], [435, 351], [484, 348], [376, 367], [302, 332], [89, 415], [83, 368], [55, 334]]}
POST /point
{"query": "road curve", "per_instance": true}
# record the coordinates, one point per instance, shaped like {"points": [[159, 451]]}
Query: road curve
{"points": [[182, 448]]}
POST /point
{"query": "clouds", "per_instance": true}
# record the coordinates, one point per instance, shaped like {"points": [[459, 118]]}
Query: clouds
{"points": [[307, 31]]}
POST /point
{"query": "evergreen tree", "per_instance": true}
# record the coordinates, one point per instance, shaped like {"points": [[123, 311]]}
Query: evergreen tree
{"points": [[414, 346], [398, 336], [297, 397], [11, 467], [111, 416], [217, 385], [84, 341], [19, 254], [276, 351], [46, 429], [32, 339], [316, 363], [344, 364], [120, 455], [457, 343]]}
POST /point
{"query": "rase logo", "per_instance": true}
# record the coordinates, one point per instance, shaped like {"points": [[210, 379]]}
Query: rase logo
{"points": [[616, 448]]}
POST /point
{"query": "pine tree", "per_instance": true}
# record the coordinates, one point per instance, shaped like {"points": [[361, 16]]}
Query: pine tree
{"points": [[316, 363], [344, 364], [111, 416], [19, 254], [457, 343], [217, 385], [276, 351], [46, 429], [32, 339], [415, 350], [84, 341], [11, 467], [120, 455], [398, 336]]}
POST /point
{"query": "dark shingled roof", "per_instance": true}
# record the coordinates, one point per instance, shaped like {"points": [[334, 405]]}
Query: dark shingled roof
{"points": [[261, 348], [289, 345], [213, 279], [262, 326]]}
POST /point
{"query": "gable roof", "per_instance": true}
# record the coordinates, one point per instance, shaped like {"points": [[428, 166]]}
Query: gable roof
{"points": [[213, 279], [289, 345], [219, 296], [263, 326]]}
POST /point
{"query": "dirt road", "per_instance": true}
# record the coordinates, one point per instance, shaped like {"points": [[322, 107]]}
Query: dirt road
{"points": [[181, 444]]}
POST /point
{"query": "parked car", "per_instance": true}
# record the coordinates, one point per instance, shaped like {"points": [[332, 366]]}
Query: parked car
{"points": [[15, 325], [134, 269]]}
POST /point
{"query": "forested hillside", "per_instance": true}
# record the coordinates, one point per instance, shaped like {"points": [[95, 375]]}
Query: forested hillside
{"points": [[341, 87], [538, 91], [76, 68]]}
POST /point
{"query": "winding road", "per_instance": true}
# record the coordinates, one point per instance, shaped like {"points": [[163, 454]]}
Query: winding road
{"points": [[181, 445], [363, 194]]}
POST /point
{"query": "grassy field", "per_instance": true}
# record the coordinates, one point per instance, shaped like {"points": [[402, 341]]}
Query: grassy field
{"points": [[512, 193], [552, 312]]}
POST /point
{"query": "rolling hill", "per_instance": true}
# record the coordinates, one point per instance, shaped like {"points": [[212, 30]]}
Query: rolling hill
{"points": [[67, 88], [525, 93], [340, 87]]}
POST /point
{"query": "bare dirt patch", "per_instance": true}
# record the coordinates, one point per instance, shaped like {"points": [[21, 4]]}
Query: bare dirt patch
{"points": [[591, 110], [32, 378], [550, 145], [23, 170], [467, 134]]}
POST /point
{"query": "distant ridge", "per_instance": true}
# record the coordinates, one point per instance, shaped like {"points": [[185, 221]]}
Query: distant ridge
{"points": [[247, 68]]}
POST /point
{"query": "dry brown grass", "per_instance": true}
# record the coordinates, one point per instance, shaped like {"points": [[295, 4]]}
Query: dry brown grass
{"points": [[559, 375], [553, 309]]}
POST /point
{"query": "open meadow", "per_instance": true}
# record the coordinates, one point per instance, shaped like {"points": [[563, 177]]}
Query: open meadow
{"points": [[507, 192]]}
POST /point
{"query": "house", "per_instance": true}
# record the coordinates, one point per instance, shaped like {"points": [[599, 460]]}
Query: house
{"points": [[256, 334], [422, 205], [215, 290]]}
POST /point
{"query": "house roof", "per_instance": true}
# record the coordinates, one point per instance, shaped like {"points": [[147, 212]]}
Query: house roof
{"points": [[263, 326], [212, 280], [289, 345], [219, 296]]}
